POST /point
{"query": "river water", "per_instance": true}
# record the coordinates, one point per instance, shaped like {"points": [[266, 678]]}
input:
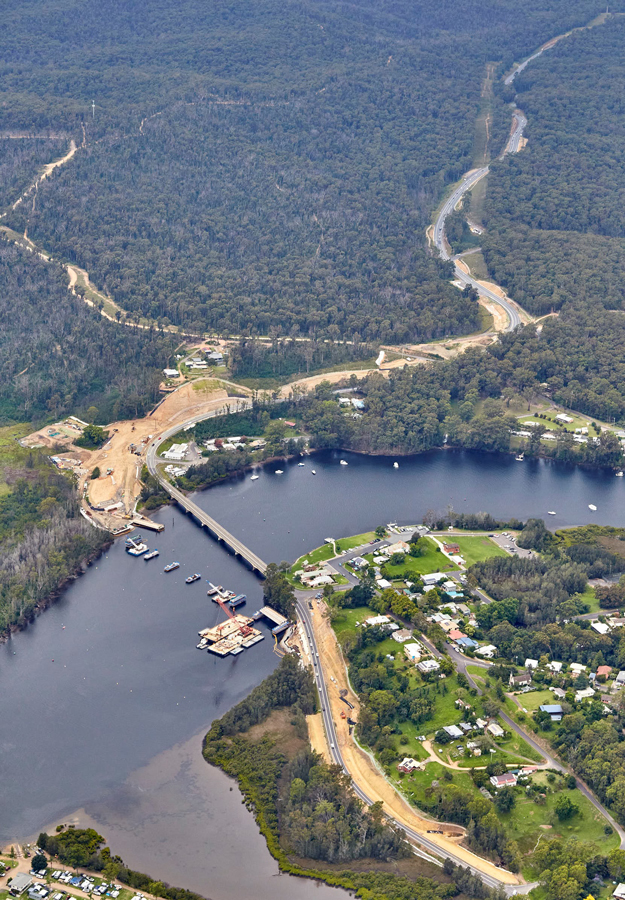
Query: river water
{"points": [[102, 699]]}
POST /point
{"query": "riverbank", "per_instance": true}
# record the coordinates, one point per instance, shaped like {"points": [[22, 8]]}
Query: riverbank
{"points": [[57, 593]]}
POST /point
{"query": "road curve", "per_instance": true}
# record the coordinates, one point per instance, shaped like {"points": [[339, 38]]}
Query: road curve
{"points": [[468, 182], [461, 663], [413, 836]]}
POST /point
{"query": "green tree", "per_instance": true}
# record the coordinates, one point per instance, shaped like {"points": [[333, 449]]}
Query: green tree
{"points": [[565, 808], [95, 474]]}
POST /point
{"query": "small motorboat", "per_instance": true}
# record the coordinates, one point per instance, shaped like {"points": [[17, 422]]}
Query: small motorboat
{"points": [[520, 457], [151, 555], [192, 578], [619, 474], [301, 465], [313, 471], [254, 477], [592, 506], [343, 463], [551, 513], [279, 472], [396, 465], [171, 567]]}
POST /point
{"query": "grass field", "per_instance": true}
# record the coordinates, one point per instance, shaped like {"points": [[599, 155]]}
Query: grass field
{"points": [[532, 700], [528, 819], [589, 596], [475, 549], [431, 561], [356, 540]]}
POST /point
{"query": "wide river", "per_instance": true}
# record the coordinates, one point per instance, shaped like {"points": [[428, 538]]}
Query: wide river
{"points": [[104, 699]]}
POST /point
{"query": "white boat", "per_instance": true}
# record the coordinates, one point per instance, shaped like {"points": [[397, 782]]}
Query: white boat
{"points": [[279, 472], [301, 465], [519, 458], [313, 471], [619, 474], [396, 465], [343, 463], [254, 477], [151, 555], [137, 549], [551, 513], [592, 506]]}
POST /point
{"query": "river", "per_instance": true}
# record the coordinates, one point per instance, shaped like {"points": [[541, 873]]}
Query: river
{"points": [[103, 698]]}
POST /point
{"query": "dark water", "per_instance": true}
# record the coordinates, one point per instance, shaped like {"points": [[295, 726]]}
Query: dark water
{"points": [[85, 707], [281, 516]]}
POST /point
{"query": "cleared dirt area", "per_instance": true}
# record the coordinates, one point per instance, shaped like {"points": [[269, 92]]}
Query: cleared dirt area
{"points": [[363, 769], [317, 736], [122, 485]]}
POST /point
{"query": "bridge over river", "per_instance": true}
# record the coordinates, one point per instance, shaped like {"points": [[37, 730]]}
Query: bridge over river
{"points": [[202, 518]]}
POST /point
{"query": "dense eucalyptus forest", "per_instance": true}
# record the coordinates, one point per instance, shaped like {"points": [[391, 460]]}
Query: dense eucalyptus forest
{"points": [[262, 165], [59, 356]]}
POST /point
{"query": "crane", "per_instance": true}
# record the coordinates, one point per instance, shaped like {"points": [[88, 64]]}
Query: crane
{"points": [[244, 629]]}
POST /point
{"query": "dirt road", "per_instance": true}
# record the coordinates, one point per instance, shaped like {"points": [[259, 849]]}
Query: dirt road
{"points": [[364, 771]]}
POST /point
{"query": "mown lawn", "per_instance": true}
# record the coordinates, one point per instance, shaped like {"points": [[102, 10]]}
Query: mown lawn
{"points": [[532, 700], [356, 540], [475, 549], [431, 561]]}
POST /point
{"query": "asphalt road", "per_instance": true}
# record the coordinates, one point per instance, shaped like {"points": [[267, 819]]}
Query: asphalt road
{"points": [[413, 836], [461, 663], [515, 138]]}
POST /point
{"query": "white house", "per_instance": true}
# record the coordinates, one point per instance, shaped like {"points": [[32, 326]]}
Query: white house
{"points": [[377, 620], [554, 666], [600, 627], [428, 665], [402, 635], [170, 373], [619, 892], [487, 651], [562, 417], [453, 731], [577, 668], [413, 652], [495, 729], [586, 694], [432, 578], [531, 663]]}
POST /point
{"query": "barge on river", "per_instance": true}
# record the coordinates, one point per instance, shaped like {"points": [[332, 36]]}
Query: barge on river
{"points": [[234, 634]]}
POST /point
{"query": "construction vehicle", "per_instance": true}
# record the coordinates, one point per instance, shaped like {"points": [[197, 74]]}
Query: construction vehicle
{"points": [[244, 629]]}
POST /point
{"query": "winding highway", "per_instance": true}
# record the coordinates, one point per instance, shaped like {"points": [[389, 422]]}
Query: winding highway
{"points": [[468, 182], [416, 839]]}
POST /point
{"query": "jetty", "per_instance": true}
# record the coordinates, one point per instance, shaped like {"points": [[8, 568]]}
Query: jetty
{"points": [[142, 522], [280, 622]]}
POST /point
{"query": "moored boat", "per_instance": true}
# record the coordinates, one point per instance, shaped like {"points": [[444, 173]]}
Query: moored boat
{"points": [[192, 578], [151, 555], [171, 567]]}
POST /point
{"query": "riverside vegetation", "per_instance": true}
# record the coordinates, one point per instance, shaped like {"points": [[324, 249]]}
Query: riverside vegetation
{"points": [[305, 808], [44, 541]]}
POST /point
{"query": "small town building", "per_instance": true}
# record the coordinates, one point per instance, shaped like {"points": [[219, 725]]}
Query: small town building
{"points": [[432, 578], [402, 635], [521, 680], [554, 666], [451, 548], [586, 694], [554, 710], [408, 765], [577, 668], [428, 665], [453, 731], [562, 417], [619, 892], [487, 651], [359, 563], [604, 670], [413, 652], [495, 729], [466, 643], [170, 373], [508, 779], [619, 681], [455, 635], [531, 663], [377, 620], [559, 693], [600, 627], [20, 883]]}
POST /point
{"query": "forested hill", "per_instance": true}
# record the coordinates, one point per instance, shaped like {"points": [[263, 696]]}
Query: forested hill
{"points": [[58, 356], [555, 213], [266, 165]]}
